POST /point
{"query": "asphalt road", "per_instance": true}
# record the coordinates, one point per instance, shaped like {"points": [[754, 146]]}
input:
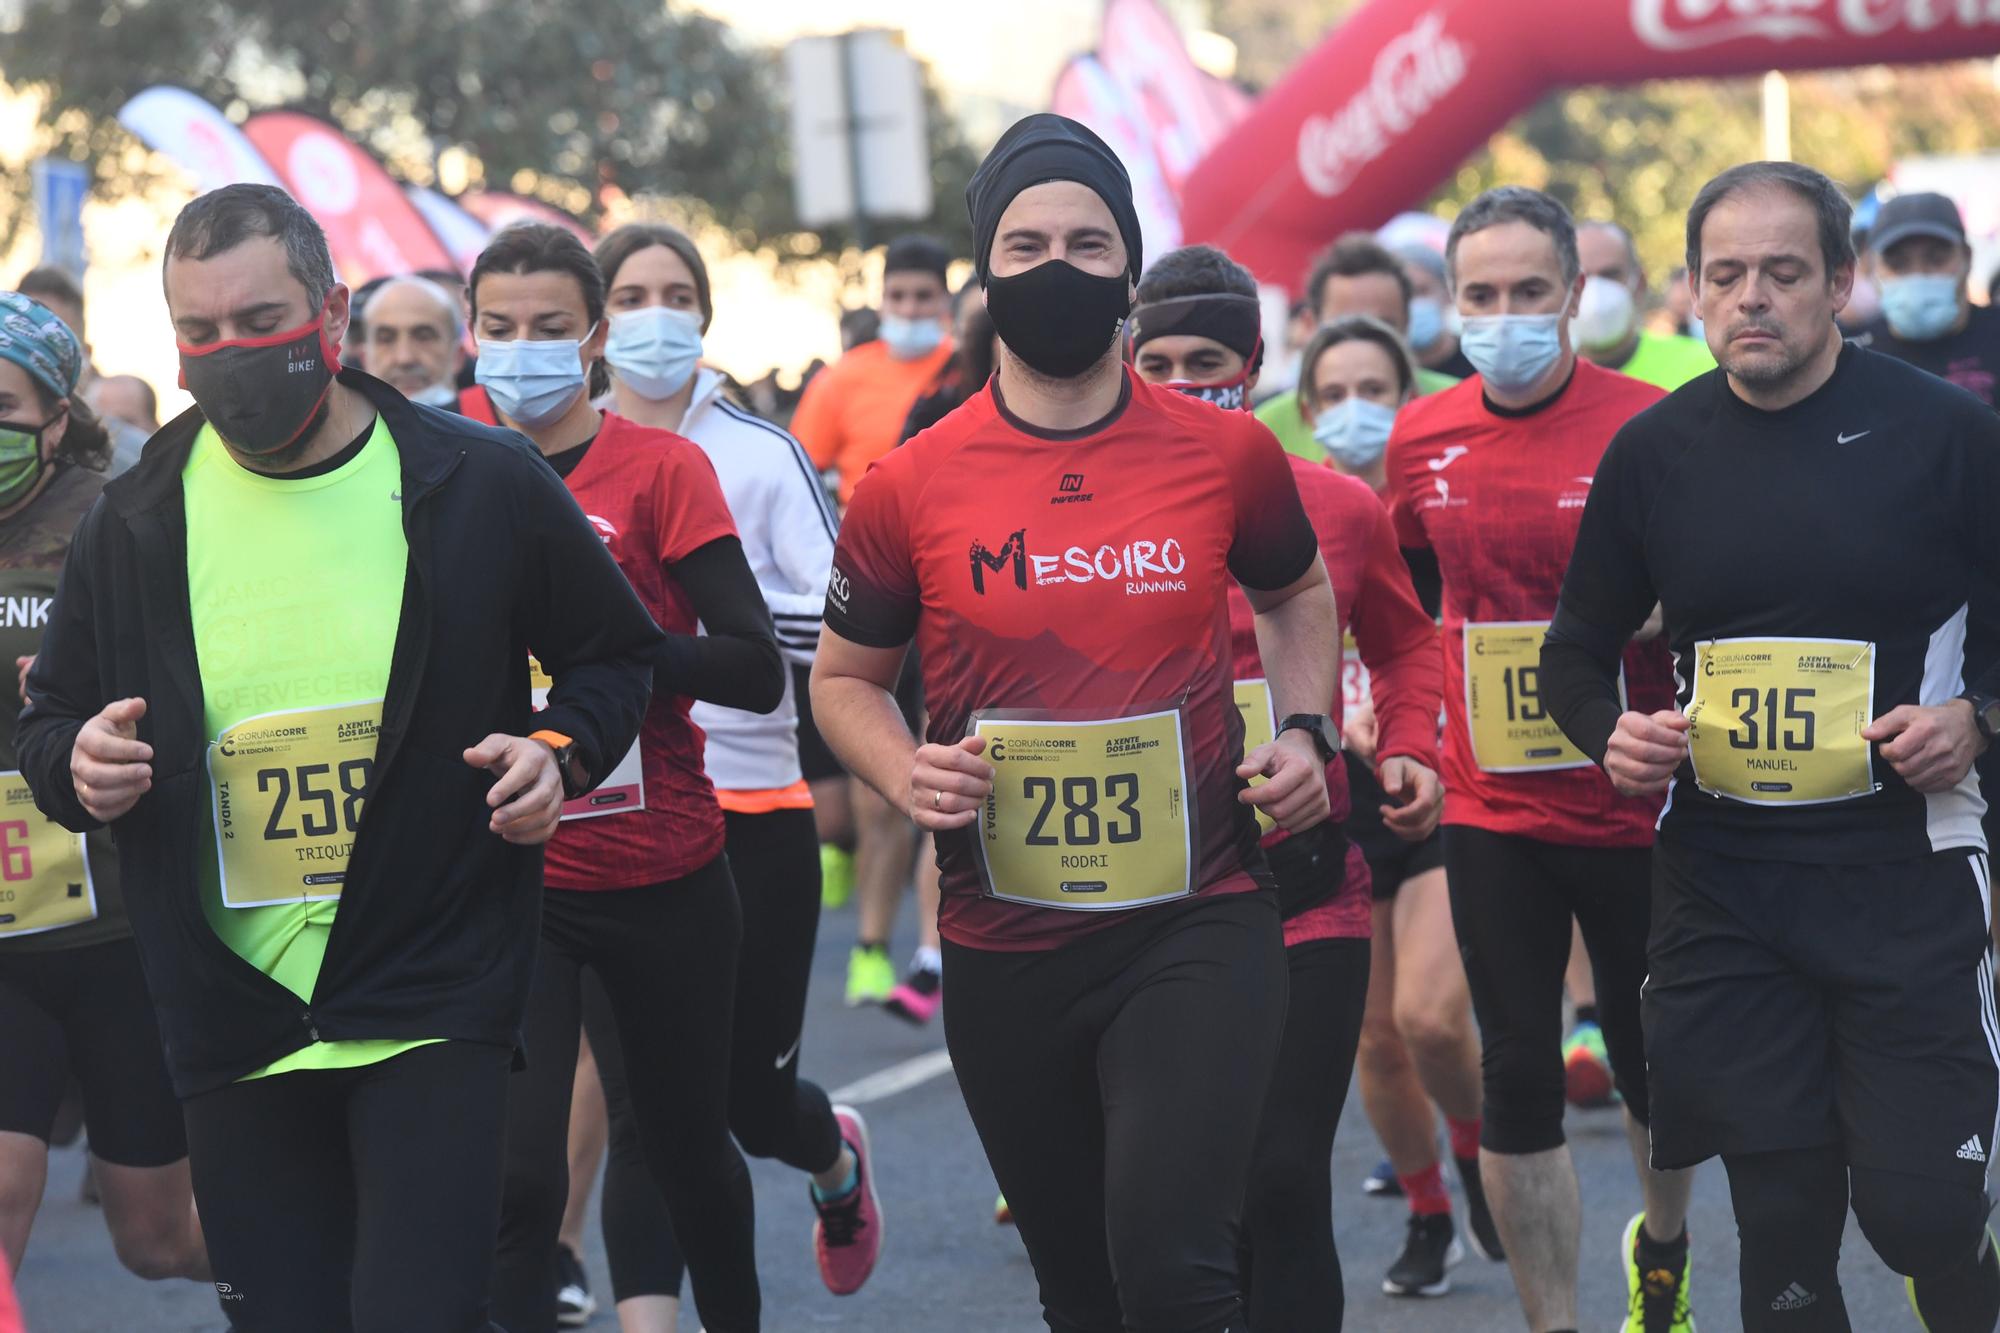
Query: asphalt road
{"points": [[945, 1265]]}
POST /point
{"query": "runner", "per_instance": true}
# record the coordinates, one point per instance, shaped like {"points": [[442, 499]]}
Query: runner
{"points": [[660, 304], [416, 340], [1819, 1008], [1082, 657], [1355, 276], [73, 1002], [638, 892], [1196, 329], [248, 644], [1417, 1039], [1607, 328], [1433, 331], [1488, 480]]}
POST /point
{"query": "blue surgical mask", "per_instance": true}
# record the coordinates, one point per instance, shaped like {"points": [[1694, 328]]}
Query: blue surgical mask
{"points": [[1426, 323], [1355, 432], [653, 351], [1511, 352], [533, 381], [909, 339], [1922, 306]]}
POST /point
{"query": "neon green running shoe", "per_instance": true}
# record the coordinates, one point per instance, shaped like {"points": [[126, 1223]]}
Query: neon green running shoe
{"points": [[870, 976], [1657, 1300], [836, 876], [1991, 1257]]}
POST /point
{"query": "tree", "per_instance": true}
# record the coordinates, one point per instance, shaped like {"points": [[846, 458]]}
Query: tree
{"points": [[559, 100]]}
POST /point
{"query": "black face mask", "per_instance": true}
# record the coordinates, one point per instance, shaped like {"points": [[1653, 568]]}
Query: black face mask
{"points": [[1057, 318], [261, 394]]}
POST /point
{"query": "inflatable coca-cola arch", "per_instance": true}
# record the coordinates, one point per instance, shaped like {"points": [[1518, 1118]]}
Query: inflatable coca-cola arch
{"points": [[1403, 91]]}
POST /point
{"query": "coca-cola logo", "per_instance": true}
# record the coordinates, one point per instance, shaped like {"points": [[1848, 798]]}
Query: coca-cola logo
{"points": [[1412, 74], [1685, 25]]}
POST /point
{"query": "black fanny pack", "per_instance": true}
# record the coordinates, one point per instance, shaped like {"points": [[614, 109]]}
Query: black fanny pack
{"points": [[1309, 867]]}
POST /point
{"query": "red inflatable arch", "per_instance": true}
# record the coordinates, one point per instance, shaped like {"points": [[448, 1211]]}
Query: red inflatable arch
{"points": [[1403, 91]]}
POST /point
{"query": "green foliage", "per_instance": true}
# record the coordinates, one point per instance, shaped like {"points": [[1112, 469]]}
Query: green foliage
{"points": [[560, 99]]}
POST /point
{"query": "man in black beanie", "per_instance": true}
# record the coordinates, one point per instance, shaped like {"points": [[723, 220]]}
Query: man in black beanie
{"points": [[1111, 935]]}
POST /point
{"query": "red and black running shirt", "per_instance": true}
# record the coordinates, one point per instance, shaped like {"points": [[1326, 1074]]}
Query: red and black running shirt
{"points": [[1075, 570], [1498, 496]]}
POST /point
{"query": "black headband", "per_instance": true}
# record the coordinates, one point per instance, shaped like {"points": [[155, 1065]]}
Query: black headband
{"points": [[1041, 148], [1231, 319]]}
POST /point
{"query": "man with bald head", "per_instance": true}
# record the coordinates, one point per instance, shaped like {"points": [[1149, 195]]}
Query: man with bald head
{"points": [[1606, 328], [416, 340]]}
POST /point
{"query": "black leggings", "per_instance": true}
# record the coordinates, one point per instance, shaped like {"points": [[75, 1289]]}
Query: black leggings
{"points": [[1791, 1208], [1117, 1084], [666, 955], [355, 1200], [1291, 1269], [774, 859], [1512, 899]]}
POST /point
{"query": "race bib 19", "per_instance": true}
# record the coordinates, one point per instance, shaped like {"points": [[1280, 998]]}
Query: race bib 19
{"points": [[44, 872], [623, 789], [1260, 726], [1778, 721], [1086, 815], [1510, 725], [288, 789]]}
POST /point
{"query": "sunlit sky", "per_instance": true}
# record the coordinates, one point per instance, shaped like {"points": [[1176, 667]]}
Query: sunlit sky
{"points": [[994, 63]]}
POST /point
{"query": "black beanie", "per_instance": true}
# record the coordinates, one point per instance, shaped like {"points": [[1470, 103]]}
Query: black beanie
{"points": [[1048, 147]]}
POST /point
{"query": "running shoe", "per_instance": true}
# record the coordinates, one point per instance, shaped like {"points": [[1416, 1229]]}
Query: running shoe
{"points": [[871, 977], [574, 1303], [836, 876], [1003, 1216], [1479, 1228], [1586, 1068], [1430, 1248], [1382, 1182], [1657, 1299], [1992, 1257], [916, 998], [847, 1239]]}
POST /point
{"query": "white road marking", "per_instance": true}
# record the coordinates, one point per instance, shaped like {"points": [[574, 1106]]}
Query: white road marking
{"points": [[885, 1083]]}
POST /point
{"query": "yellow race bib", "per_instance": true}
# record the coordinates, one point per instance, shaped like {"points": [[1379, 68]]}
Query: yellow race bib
{"points": [[1778, 721], [44, 872], [1511, 729], [1086, 815], [1260, 725], [288, 790]]}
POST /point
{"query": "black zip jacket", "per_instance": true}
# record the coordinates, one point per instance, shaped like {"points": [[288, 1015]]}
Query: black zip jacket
{"points": [[438, 919]]}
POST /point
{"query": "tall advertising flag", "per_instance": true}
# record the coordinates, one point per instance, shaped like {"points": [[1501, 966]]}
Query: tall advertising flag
{"points": [[207, 143]]}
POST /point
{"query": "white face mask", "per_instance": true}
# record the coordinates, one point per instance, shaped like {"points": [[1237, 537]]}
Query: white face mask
{"points": [[533, 381], [437, 395], [909, 339], [1604, 314], [654, 351]]}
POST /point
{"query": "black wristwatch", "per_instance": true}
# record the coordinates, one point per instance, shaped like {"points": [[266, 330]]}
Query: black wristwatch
{"points": [[1320, 727], [568, 763], [1985, 714]]}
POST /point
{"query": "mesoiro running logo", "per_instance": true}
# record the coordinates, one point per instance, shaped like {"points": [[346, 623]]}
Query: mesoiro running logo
{"points": [[1143, 567]]}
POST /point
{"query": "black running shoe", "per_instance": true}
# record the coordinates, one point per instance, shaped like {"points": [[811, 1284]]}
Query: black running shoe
{"points": [[1479, 1228], [1430, 1248], [1381, 1183], [574, 1303]]}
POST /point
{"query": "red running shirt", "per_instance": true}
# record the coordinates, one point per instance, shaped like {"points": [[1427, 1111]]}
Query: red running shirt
{"points": [[654, 498], [1498, 497], [1082, 570], [1378, 603]]}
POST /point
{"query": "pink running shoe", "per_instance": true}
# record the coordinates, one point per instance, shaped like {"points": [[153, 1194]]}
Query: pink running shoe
{"points": [[847, 1239], [916, 998]]}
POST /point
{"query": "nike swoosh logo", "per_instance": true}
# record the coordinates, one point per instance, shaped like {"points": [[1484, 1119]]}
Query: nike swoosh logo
{"points": [[787, 1057], [1850, 439]]}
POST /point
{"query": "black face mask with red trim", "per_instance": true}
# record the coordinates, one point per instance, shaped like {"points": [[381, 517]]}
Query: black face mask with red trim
{"points": [[263, 394], [1229, 395]]}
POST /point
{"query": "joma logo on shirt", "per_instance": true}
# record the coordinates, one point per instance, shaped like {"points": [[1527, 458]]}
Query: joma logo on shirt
{"points": [[25, 612]]}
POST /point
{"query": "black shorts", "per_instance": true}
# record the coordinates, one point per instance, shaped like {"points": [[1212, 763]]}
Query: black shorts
{"points": [[1392, 861], [85, 1012], [1797, 1006], [816, 761]]}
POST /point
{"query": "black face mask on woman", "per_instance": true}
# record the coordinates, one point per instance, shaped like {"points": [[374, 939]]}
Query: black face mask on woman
{"points": [[1057, 318], [262, 394]]}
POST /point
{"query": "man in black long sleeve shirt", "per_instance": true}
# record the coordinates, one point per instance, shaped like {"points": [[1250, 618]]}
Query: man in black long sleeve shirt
{"points": [[1812, 520]]}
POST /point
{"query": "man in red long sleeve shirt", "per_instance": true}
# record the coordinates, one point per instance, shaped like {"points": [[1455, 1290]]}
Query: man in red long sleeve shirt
{"points": [[1196, 329]]}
